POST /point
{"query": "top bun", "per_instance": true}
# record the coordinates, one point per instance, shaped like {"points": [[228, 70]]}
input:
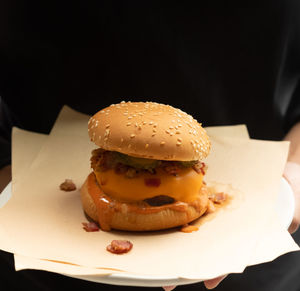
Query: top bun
{"points": [[149, 130]]}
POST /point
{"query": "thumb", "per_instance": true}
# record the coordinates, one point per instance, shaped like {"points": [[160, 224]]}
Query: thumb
{"points": [[169, 288], [213, 283]]}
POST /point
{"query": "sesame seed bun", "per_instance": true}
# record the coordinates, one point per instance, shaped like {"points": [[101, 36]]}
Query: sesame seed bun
{"points": [[129, 217], [149, 130]]}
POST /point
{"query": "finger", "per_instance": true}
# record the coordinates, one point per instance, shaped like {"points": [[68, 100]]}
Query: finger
{"points": [[296, 219], [294, 226], [169, 288], [213, 283]]}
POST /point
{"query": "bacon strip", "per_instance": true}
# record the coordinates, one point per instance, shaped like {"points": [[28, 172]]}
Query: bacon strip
{"points": [[218, 197], [67, 185], [152, 182], [90, 226], [200, 168], [119, 246]]}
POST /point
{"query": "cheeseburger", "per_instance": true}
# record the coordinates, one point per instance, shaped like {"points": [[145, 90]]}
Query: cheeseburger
{"points": [[147, 170]]}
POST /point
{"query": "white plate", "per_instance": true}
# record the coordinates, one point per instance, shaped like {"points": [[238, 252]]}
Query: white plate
{"points": [[285, 208]]}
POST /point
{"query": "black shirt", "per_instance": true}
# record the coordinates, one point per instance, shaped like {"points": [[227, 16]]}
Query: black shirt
{"points": [[224, 63]]}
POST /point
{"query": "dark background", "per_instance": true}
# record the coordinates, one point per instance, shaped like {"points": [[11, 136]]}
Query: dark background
{"points": [[224, 63], [220, 62]]}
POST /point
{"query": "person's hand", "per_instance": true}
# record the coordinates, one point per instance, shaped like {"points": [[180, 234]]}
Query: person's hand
{"points": [[213, 283], [292, 175], [5, 176]]}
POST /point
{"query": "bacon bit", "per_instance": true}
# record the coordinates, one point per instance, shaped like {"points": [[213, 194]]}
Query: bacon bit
{"points": [[121, 169], [131, 173], [218, 198], [210, 207], [152, 182], [171, 168], [68, 185], [119, 246], [200, 168], [90, 226], [189, 228]]}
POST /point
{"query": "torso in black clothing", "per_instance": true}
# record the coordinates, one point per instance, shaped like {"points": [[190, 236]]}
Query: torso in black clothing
{"points": [[219, 64]]}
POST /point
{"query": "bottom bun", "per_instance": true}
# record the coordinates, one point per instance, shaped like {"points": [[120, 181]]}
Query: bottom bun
{"points": [[112, 214]]}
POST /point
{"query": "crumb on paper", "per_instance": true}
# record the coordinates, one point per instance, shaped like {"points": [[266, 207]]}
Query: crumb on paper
{"points": [[187, 228], [67, 185]]}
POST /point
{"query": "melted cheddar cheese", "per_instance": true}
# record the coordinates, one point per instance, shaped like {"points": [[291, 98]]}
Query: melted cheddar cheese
{"points": [[183, 187]]}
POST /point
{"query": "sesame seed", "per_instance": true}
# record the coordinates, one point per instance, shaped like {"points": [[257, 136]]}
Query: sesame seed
{"points": [[146, 145], [144, 122], [132, 135], [129, 117], [151, 122], [177, 132], [167, 131], [179, 139], [128, 124], [153, 134], [162, 143], [107, 125], [178, 143], [171, 127]]}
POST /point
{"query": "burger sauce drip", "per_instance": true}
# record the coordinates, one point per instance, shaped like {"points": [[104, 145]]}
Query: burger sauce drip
{"points": [[103, 204]]}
